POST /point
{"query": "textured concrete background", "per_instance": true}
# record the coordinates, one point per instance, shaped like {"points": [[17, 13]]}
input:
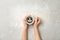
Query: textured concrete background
{"points": [[13, 11]]}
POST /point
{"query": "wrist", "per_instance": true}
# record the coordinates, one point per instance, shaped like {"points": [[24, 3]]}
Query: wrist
{"points": [[35, 27], [25, 27]]}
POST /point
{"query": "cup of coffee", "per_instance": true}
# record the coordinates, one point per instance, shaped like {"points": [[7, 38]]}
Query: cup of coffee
{"points": [[30, 20]]}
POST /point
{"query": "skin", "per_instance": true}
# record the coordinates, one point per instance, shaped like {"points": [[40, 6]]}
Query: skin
{"points": [[36, 31]]}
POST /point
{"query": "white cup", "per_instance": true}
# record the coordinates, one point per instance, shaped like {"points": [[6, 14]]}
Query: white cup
{"points": [[30, 20]]}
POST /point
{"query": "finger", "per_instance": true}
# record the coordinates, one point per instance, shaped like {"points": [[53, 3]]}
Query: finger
{"points": [[25, 18], [23, 21], [38, 19], [35, 21]]}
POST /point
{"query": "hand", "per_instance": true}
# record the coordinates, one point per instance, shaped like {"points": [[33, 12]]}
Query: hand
{"points": [[37, 22], [24, 22]]}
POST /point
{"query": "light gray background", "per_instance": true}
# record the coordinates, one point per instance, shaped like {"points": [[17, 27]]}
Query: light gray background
{"points": [[13, 11]]}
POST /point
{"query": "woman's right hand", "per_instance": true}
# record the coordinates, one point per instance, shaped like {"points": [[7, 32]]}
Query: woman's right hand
{"points": [[37, 22]]}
